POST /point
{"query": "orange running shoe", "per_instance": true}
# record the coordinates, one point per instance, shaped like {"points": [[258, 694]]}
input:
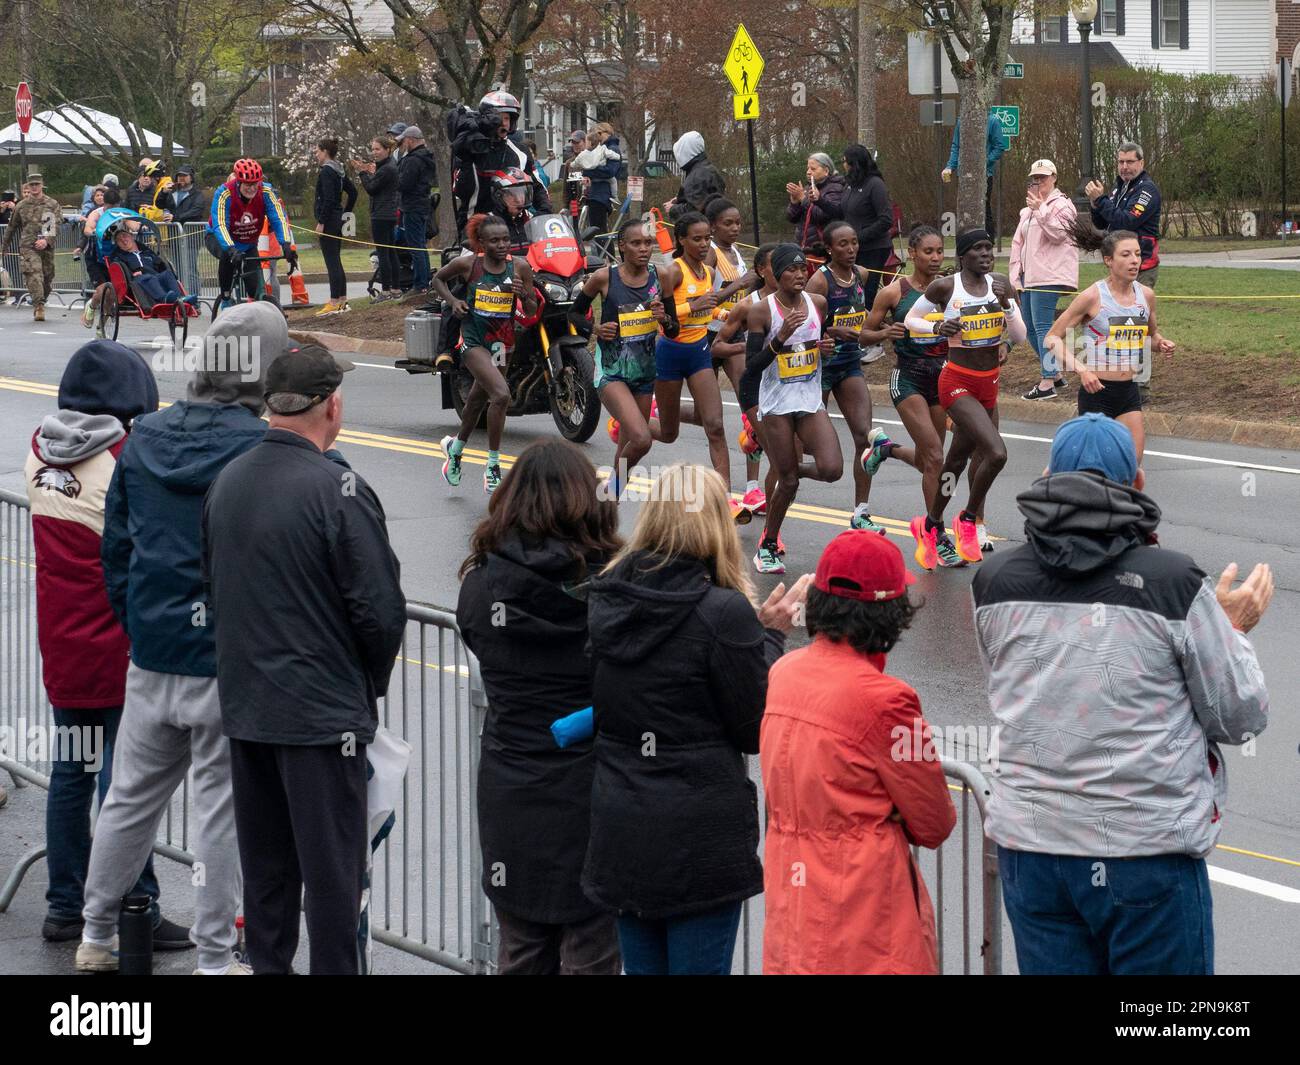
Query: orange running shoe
{"points": [[748, 439], [967, 538], [927, 550], [612, 427], [740, 513]]}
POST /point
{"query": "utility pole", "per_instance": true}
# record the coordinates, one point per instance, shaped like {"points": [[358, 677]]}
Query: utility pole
{"points": [[24, 74], [866, 76]]}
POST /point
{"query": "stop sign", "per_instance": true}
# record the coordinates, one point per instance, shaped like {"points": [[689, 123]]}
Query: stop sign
{"points": [[23, 107]]}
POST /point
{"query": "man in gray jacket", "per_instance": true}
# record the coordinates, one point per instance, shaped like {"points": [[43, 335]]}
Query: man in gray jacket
{"points": [[1115, 670]]}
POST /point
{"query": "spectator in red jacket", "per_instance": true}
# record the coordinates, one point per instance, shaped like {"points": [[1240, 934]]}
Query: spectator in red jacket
{"points": [[84, 650]]}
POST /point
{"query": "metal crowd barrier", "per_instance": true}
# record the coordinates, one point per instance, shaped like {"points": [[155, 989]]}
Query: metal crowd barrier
{"points": [[426, 896]]}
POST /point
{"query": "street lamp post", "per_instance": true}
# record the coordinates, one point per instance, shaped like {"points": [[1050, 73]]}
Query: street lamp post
{"points": [[1085, 13]]}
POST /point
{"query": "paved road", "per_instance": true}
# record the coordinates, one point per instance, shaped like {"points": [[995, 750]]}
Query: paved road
{"points": [[1221, 504]]}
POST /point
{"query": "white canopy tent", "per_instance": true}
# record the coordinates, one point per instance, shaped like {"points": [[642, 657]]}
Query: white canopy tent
{"points": [[72, 128]]}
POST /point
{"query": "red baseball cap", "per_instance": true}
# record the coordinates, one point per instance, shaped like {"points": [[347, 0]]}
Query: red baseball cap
{"points": [[860, 564]]}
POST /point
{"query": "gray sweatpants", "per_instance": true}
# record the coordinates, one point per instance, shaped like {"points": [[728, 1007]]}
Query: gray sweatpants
{"points": [[168, 722]]}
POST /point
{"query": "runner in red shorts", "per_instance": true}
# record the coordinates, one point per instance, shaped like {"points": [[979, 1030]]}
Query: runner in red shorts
{"points": [[979, 318]]}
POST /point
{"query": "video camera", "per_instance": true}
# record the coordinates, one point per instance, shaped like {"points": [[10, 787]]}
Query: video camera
{"points": [[472, 131]]}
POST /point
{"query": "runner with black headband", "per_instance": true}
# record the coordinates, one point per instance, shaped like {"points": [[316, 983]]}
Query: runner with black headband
{"points": [[1120, 316], [632, 312], [914, 384], [979, 317], [786, 344]]}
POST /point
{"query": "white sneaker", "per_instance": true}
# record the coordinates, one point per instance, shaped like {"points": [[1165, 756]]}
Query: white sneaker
{"points": [[871, 354], [96, 958], [982, 534], [235, 968]]}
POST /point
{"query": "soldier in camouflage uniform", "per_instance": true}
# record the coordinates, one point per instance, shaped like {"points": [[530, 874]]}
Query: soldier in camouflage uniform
{"points": [[33, 228]]}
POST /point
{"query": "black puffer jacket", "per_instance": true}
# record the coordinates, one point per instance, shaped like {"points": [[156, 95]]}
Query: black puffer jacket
{"points": [[332, 187], [679, 686], [382, 186], [534, 798]]}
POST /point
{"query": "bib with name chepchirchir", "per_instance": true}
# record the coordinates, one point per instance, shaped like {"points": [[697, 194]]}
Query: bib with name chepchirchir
{"points": [[636, 320]]}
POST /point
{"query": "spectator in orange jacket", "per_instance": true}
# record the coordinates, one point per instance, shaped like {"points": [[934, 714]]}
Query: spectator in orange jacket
{"points": [[842, 891]]}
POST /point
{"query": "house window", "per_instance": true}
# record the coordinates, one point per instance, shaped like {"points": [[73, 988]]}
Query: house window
{"points": [[1049, 30], [1171, 27], [1108, 17]]}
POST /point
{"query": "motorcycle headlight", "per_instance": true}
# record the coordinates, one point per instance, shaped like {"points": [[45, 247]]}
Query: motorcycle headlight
{"points": [[555, 293], [577, 287]]}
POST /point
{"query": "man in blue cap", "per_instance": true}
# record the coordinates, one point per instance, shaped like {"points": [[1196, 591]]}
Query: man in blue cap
{"points": [[1115, 668]]}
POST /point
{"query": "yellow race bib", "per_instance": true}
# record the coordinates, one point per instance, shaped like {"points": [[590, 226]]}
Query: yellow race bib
{"points": [[1128, 335], [846, 319], [934, 318], [982, 325], [635, 320], [797, 363], [494, 302]]}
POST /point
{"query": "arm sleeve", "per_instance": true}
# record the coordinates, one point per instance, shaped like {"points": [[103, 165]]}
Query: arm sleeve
{"points": [[916, 322], [758, 354], [368, 578], [1224, 679], [916, 786], [742, 653], [1015, 328], [115, 545]]}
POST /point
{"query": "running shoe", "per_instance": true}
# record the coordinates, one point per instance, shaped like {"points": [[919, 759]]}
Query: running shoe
{"points": [[611, 427], [756, 500], [985, 540], [450, 468], [740, 513], [863, 521], [948, 557], [871, 354], [491, 479], [329, 308], [767, 560], [1036, 393], [926, 553], [780, 544], [88, 315], [874, 453], [748, 439], [968, 541]]}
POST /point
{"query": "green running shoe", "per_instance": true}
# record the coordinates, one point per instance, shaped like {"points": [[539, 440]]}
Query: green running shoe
{"points": [[863, 521], [873, 455], [450, 468], [947, 551], [491, 479]]}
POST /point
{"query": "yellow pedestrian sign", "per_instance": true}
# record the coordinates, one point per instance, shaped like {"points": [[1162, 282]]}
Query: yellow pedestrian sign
{"points": [[743, 66], [746, 107]]}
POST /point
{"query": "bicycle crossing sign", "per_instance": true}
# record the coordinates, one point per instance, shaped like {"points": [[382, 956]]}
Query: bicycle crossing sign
{"points": [[1009, 116], [743, 65]]}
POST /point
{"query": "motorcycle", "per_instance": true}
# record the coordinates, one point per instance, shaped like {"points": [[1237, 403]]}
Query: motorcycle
{"points": [[551, 367]]}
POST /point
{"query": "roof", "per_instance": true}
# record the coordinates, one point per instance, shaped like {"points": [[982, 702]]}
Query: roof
{"points": [[373, 18], [1100, 54], [73, 128]]}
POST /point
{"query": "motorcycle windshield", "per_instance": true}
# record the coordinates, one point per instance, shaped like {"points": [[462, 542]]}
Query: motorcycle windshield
{"points": [[553, 246]]}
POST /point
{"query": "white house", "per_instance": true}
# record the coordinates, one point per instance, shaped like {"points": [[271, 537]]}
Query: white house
{"points": [[1180, 36]]}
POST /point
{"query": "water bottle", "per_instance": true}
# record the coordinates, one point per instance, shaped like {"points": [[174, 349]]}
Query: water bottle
{"points": [[135, 936], [241, 946]]}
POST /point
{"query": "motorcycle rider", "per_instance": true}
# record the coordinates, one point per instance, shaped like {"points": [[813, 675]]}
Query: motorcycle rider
{"points": [[487, 149]]}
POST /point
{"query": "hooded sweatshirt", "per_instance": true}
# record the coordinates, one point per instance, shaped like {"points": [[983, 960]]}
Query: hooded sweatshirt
{"points": [[151, 547], [332, 186], [1113, 675], [680, 664], [701, 180], [74, 451]]}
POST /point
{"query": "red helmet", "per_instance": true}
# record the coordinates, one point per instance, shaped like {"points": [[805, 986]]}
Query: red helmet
{"points": [[248, 171]]}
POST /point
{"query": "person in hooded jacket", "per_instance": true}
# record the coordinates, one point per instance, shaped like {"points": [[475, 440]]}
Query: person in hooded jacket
{"points": [[332, 187], [701, 180], [84, 651], [523, 612], [172, 720], [1115, 668], [680, 653]]}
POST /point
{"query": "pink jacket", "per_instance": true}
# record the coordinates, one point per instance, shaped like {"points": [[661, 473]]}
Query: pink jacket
{"points": [[1041, 249]]}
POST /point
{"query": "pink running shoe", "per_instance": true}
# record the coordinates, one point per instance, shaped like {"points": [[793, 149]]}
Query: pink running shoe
{"points": [[612, 427], [968, 541], [927, 549], [756, 501]]}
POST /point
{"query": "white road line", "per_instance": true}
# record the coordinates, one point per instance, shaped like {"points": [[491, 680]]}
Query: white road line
{"points": [[1158, 454], [1253, 883]]}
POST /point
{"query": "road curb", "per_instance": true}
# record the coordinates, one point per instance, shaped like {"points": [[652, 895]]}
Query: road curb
{"points": [[1188, 426]]}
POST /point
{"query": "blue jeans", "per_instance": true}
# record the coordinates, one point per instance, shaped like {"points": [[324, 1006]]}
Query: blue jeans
{"points": [[699, 944], [67, 814], [1038, 307], [1118, 916], [413, 227]]}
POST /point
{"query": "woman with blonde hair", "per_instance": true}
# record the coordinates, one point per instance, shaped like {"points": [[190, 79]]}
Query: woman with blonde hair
{"points": [[680, 653]]}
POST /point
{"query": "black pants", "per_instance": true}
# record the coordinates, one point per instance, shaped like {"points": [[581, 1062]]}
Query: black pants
{"points": [[301, 817], [331, 249], [385, 233], [874, 260], [252, 270], [587, 948], [597, 215]]}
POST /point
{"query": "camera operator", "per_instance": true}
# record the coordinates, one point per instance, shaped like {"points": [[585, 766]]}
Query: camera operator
{"points": [[482, 146]]}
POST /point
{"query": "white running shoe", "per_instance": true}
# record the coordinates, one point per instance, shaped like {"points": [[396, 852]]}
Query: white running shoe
{"points": [[871, 354]]}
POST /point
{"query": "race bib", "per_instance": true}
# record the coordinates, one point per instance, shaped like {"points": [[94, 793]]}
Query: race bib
{"points": [[494, 301], [635, 320], [1127, 336], [797, 362], [927, 340], [982, 325], [699, 318], [846, 319]]}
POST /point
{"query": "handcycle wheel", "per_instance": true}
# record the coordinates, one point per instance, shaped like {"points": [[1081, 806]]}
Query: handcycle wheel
{"points": [[110, 314], [180, 319]]}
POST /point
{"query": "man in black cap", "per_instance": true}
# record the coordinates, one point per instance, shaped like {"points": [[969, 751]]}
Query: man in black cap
{"points": [[308, 612], [189, 204]]}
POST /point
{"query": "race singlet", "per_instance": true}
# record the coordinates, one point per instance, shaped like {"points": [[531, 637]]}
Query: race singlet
{"points": [[982, 325], [797, 361], [494, 301], [1126, 339], [635, 320]]}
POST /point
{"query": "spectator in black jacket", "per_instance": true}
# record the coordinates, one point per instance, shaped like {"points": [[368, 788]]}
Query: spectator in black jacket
{"points": [[189, 204], [143, 191], [865, 206], [1133, 204], [307, 628], [332, 185], [417, 173], [478, 155], [379, 178], [701, 180], [680, 655], [523, 612], [806, 208]]}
